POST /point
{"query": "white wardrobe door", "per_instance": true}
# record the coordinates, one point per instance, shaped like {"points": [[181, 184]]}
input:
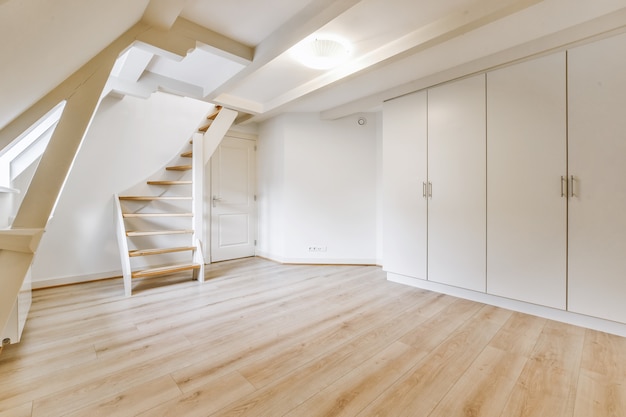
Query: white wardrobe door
{"points": [[456, 169], [597, 160], [526, 159], [404, 172]]}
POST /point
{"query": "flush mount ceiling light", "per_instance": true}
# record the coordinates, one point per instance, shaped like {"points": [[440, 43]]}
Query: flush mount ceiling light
{"points": [[322, 51]]}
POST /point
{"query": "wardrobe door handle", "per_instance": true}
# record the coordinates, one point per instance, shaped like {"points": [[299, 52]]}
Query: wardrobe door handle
{"points": [[430, 189], [571, 187], [563, 180], [424, 189]]}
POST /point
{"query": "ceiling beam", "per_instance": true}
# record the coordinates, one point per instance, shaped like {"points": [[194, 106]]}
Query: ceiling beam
{"points": [[214, 42], [185, 36], [163, 13], [310, 19], [604, 26], [461, 21]]}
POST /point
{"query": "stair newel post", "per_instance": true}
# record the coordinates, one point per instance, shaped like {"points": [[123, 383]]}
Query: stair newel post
{"points": [[122, 244], [198, 203]]}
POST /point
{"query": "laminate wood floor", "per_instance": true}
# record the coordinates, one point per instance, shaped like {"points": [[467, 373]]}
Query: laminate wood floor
{"points": [[263, 339]]}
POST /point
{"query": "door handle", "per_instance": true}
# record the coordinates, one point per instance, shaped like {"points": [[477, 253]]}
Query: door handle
{"points": [[424, 189], [563, 186], [430, 189], [215, 200], [571, 187]]}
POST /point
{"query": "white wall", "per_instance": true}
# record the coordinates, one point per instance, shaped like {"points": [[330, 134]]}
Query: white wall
{"points": [[379, 188], [318, 187], [270, 188], [128, 140]]}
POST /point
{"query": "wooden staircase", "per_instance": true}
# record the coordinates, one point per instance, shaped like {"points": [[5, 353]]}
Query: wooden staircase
{"points": [[155, 231], [158, 227], [210, 117]]}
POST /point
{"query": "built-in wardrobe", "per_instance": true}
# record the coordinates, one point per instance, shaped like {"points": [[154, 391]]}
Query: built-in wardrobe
{"points": [[512, 183]]}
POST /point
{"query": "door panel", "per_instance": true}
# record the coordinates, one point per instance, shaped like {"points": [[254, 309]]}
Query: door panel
{"points": [[233, 209], [597, 160], [526, 159], [404, 173], [456, 170]]}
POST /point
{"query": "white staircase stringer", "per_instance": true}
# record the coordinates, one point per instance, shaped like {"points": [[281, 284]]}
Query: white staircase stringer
{"points": [[198, 258], [216, 132], [122, 243], [197, 194]]}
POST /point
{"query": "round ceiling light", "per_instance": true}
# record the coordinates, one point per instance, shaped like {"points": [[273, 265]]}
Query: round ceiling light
{"points": [[322, 52]]}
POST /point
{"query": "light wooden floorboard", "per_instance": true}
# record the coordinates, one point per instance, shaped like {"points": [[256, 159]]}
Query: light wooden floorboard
{"points": [[263, 339]]}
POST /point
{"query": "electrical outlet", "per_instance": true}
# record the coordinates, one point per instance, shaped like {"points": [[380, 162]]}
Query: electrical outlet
{"points": [[317, 248]]}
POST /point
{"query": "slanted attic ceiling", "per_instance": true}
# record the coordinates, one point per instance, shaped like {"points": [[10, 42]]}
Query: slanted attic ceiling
{"points": [[398, 46]]}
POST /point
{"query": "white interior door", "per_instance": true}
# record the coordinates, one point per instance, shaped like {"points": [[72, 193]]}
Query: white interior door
{"points": [[232, 200], [597, 155]]}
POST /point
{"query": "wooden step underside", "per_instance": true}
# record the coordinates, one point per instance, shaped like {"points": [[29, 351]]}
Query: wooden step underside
{"points": [[134, 215], [169, 182], [159, 251], [133, 233], [153, 272], [187, 154], [204, 128], [179, 168], [213, 115], [151, 198]]}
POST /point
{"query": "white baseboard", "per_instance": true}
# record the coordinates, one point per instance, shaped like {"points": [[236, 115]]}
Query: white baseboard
{"points": [[317, 260], [57, 282], [515, 305]]}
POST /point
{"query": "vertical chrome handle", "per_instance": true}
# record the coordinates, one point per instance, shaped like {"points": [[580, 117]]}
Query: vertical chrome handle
{"points": [[562, 186], [424, 189], [430, 189], [571, 187]]}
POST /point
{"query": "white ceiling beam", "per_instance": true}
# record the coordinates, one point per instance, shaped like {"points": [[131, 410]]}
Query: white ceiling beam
{"points": [[214, 42], [119, 87], [173, 86], [163, 13], [603, 26], [238, 103], [131, 65], [184, 36], [455, 24], [315, 15]]}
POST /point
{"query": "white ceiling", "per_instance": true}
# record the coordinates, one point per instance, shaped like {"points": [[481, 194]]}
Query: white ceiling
{"points": [[399, 46]]}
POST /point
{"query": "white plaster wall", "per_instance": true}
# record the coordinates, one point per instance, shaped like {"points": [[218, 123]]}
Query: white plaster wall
{"points": [[328, 185], [379, 188], [128, 140], [270, 187]]}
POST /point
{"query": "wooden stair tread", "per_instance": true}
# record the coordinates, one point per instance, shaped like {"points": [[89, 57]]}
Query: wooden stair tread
{"points": [[132, 233], [128, 215], [179, 168], [213, 115], [187, 154], [159, 251], [152, 272], [169, 182], [151, 197]]}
